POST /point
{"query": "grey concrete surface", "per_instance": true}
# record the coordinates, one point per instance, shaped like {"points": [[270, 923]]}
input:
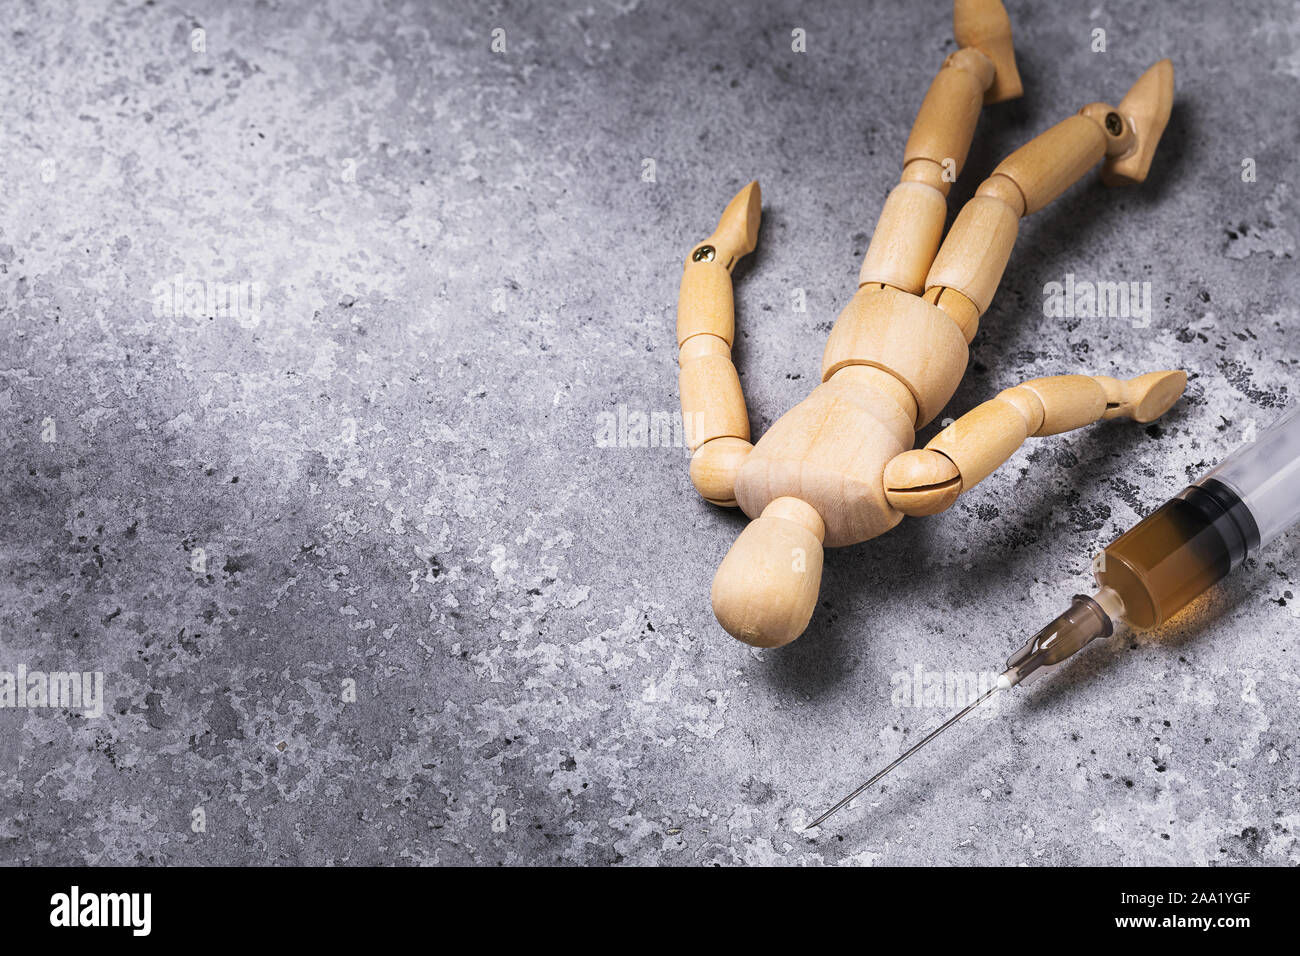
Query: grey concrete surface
{"points": [[383, 471]]}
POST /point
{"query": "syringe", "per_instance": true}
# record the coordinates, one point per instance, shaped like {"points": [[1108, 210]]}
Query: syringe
{"points": [[1153, 570]]}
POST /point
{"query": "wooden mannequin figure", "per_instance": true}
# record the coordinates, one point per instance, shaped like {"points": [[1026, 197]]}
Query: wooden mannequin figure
{"points": [[839, 467]]}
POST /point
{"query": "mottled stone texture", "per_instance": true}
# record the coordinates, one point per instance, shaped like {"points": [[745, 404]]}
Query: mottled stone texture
{"points": [[394, 476]]}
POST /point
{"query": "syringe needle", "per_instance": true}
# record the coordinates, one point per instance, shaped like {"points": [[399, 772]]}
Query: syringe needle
{"points": [[909, 751]]}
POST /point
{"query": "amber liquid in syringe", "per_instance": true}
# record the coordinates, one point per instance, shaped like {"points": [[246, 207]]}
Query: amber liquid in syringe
{"points": [[1166, 560]]}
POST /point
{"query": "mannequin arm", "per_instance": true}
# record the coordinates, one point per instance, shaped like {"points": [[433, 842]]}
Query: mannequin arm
{"points": [[928, 480], [713, 406]]}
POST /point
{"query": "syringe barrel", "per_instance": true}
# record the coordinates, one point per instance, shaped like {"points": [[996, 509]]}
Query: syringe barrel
{"points": [[1195, 538], [1158, 566], [1265, 474]]}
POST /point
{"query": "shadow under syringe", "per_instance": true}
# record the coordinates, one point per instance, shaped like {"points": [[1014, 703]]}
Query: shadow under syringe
{"points": [[1204, 618]]}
